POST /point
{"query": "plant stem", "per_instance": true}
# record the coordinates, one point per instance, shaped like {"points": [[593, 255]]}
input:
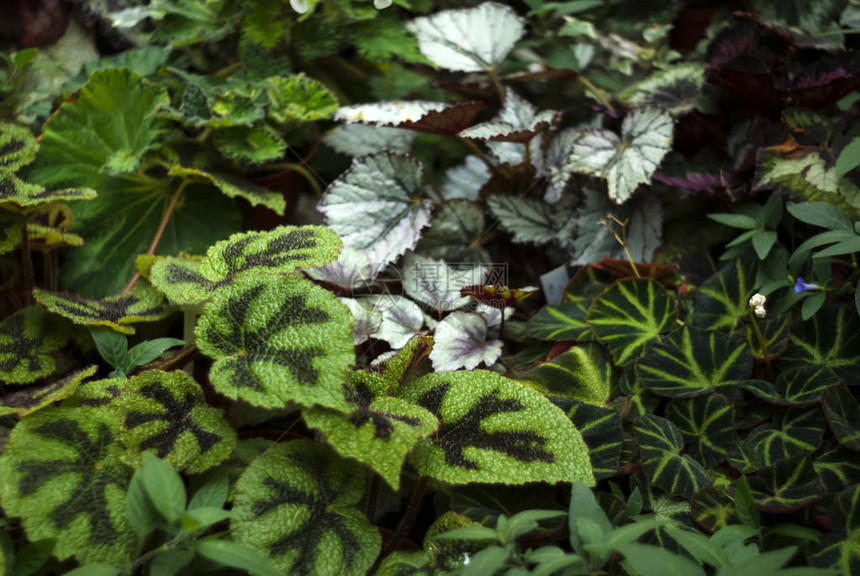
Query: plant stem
{"points": [[371, 498], [292, 166], [408, 518], [763, 343], [598, 93], [162, 226], [497, 84], [27, 264]]}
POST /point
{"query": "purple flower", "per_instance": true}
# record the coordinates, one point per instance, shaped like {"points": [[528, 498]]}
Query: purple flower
{"points": [[801, 286]]}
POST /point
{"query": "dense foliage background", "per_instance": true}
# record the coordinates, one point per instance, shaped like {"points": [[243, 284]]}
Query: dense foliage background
{"points": [[414, 287]]}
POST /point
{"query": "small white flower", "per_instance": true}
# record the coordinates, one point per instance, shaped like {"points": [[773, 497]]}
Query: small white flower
{"points": [[760, 312], [757, 301]]}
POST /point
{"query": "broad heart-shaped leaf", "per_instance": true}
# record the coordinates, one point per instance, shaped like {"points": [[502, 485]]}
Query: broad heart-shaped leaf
{"points": [[62, 474], [829, 340], [661, 444], [165, 412], [436, 284], [462, 342], [518, 121], [838, 549], [232, 187], [723, 299], [837, 467], [533, 221], [140, 304], [456, 234], [108, 127], [628, 161], [296, 502], [707, 423], [582, 373], [673, 89], [692, 362], [17, 148], [431, 117], [34, 398], [378, 431], [27, 339], [449, 39], [602, 431], [298, 98], [278, 251], [20, 196], [630, 315], [790, 484], [843, 416], [180, 280], [790, 432], [377, 206], [277, 339], [560, 322], [361, 139], [494, 430]]}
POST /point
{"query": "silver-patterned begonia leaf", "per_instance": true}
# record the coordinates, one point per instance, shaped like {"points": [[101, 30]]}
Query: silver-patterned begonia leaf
{"points": [[462, 342], [436, 284], [361, 139], [352, 269], [466, 180], [518, 122], [533, 221], [368, 319], [402, 319]]}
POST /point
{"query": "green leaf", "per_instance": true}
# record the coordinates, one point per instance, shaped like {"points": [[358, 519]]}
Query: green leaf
{"points": [[164, 487], [62, 474], [810, 175], [35, 397], [95, 570], [213, 494], [838, 550], [581, 373], [790, 484], [17, 148], [20, 196], [142, 515], [803, 386], [518, 121], [583, 504], [112, 345], [712, 510], [602, 432], [171, 562], [180, 280], [560, 322], [140, 304], [723, 299], [629, 316], [707, 423], [298, 98], [377, 206], [661, 444], [792, 432], [829, 340], [674, 89], [693, 362], [147, 351], [252, 144], [27, 340], [849, 158], [494, 430], [745, 504], [821, 214], [837, 467], [379, 431], [235, 555], [166, 414], [626, 161], [741, 221], [652, 561], [234, 187], [444, 38], [277, 339], [296, 502], [843, 416]]}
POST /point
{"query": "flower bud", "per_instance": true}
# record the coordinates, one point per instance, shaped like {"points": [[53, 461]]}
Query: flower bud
{"points": [[757, 301], [760, 312]]}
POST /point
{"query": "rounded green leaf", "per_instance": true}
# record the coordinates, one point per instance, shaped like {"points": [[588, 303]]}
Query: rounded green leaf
{"points": [[296, 502], [601, 430], [790, 432], [707, 423], [62, 474], [277, 339], [17, 147], [723, 299], [582, 373], [34, 398], [829, 340], [495, 430], [692, 362], [165, 413], [27, 340], [180, 280], [661, 445], [790, 484], [630, 315]]}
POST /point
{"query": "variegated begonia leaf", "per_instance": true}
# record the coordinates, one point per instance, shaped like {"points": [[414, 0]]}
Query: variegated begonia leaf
{"points": [[829, 340], [140, 304], [837, 467], [583, 373], [602, 431], [252, 144], [802, 386], [34, 398], [45, 238], [790, 432], [466, 180], [379, 431], [640, 400], [20, 196], [518, 121], [674, 89], [533, 221], [843, 416], [17, 148], [790, 484], [626, 161], [560, 322], [494, 430], [630, 315], [723, 299], [712, 509], [166, 413], [234, 188], [297, 98], [360, 139], [456, 234], [692, 362], [662, 446], [277, 339], [386, 376], [367, 319], [278, 251], [809, 173], [402, 319], [296, 504], [95, 393], [436, 284], [11, 226], [431, 117], [707, 423], [838, 548], [351, 270], [448, 38], [63, 475], [462, 341], [377, 206], [180, 280], [554, 159], [27, 339]]}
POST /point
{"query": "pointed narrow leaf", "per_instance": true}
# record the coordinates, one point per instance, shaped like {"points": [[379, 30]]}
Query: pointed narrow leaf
{"points": [[661, 445], [495, 430], [295, 503]]}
